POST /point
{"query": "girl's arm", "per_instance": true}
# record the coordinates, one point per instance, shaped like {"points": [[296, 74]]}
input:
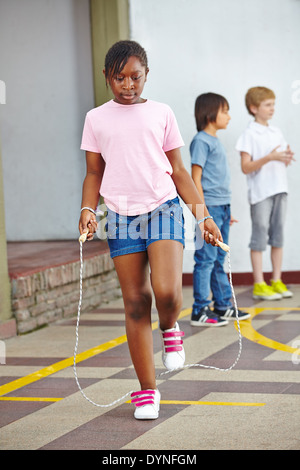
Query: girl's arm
{"points": [[95, 166], [196, 177], [187, 190]]}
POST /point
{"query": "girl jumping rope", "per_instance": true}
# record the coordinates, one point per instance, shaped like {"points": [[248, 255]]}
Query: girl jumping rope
{"points": [[133, 160]]}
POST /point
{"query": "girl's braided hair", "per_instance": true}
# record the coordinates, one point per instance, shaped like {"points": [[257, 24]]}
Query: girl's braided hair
{"points": [[118, 55]]}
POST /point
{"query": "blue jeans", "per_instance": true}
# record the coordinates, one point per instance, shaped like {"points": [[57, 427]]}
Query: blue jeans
{"points": [[209, 274]]}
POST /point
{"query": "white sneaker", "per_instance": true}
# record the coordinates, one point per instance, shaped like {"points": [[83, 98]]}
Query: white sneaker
{"points": [[147, 404], [173, 355]]}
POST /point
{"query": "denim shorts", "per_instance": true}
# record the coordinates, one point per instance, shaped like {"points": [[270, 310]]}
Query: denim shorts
{"points": [[132, 234], [268, 218]]}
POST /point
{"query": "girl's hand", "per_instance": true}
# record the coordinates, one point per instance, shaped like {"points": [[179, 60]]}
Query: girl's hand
{"points": [[88, 223], [210, 232]]}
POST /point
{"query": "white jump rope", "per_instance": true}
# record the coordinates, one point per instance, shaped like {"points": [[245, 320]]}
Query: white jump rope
{"points": [[224, 247]]}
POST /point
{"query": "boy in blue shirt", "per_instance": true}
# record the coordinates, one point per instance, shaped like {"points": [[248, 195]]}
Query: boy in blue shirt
{"points": [[210, 172]]}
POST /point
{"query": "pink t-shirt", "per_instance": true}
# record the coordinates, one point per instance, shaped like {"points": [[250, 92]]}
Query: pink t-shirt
{"points": [[132, 140]]}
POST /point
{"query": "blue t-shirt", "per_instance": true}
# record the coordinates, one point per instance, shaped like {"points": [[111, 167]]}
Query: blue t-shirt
{"points": [[208, 152]]}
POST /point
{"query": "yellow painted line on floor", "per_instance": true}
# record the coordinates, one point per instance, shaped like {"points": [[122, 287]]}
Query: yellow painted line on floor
{"points": [[249, 332], [64, 364], [162, 402], [58, 366], [39, 399], [207, 403]]}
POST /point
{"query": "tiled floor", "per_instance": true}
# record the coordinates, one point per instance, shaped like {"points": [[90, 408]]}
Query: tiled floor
{"points": [[254, 406]]}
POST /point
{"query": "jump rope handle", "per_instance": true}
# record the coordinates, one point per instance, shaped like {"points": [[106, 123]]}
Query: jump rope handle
{"points": [[221, 244], [83, 236]]}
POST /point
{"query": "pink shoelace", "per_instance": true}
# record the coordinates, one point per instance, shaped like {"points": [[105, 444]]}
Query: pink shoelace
{"points": [[143, 397], [171, 344]]}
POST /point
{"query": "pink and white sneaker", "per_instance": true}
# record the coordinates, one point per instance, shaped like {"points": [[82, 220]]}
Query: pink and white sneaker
{"points": [[173, 355], [147, 404]]}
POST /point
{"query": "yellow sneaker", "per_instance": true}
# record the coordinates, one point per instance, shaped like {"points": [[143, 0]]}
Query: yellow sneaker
{"points": [[280, 287], [264, 292]]}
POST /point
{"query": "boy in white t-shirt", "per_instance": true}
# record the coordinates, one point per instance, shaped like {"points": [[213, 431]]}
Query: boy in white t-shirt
{"points": [[264, 158]]}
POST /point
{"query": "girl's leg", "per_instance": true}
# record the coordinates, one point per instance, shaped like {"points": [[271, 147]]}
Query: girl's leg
{"points": [[133, 274], [165, 258]]}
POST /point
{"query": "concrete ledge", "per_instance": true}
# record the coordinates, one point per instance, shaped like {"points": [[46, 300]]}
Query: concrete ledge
{"points": [[51, 294]]}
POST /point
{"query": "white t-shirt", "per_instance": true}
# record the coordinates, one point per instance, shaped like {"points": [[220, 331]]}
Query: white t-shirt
{"points": [[258, 140], [132, 140]]}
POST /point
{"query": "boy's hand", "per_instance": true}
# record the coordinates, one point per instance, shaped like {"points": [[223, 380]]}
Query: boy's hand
{"points": [[285, 157], [232, 220], [290, 155]]}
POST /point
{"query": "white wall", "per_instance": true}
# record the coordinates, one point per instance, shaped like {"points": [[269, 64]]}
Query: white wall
{"points": [[194, 46], [45, 62], [227, 46]]}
